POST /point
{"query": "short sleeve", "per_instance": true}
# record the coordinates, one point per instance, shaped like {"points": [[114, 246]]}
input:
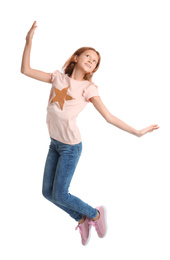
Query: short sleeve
{"points": [[53, 75], [90, 91]]}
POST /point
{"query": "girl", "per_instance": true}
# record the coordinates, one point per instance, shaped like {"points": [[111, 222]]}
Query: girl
{"points": [[70, 93]]}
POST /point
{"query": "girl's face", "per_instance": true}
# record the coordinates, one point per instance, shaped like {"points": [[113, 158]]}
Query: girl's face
{"points": [[87, 61]]}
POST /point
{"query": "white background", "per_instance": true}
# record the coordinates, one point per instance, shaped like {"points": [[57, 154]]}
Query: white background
{"points": [[126, 174]]}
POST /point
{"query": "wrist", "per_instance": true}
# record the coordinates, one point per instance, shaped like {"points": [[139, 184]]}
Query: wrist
{"points": [[136, 133], [28, 41]]}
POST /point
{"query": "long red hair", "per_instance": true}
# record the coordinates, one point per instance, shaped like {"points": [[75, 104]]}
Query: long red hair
{"points": [[68, 67]]}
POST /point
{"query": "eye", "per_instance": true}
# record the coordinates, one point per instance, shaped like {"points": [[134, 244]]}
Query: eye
{"points": [[87, 55]]}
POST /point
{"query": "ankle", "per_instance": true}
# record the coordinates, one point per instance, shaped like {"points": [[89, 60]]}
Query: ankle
{"points": [[97, 217], [82, 220]]}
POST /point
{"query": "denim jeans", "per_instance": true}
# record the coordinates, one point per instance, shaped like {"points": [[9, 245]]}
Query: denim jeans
{"points": [[59, 168]]}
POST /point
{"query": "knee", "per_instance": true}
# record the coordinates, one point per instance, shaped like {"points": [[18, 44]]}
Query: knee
{"points": [[58, 198], [46, 194]]}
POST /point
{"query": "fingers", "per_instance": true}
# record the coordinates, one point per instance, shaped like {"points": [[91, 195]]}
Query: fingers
{"points": [[150, 128], [34, 24], [153, 127]]}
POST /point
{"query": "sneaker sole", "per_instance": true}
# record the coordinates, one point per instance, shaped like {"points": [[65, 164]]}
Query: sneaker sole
{"points": [[105, 216]]}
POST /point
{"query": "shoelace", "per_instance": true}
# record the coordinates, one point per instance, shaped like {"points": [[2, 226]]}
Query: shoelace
{"points": [[80, 229], [94, 224]]}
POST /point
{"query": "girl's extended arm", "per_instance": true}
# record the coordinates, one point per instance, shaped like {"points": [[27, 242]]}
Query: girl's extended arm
{"points": [[25, 66], [98, 104]]}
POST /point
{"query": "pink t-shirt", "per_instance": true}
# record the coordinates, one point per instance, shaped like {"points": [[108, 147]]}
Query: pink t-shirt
{"points": [[68, 97]]}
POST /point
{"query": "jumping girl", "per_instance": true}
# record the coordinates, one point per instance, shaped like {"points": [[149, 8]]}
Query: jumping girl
{"points": [[71, 91]]}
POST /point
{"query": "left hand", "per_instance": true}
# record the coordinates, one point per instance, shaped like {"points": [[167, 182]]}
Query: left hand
{"points": [[147, 130]]}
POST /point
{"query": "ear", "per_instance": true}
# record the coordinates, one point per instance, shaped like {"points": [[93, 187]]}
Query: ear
{"points": [[76, 58]]}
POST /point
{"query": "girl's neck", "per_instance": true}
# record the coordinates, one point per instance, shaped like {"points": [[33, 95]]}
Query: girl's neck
{"points": [[77, 75]]}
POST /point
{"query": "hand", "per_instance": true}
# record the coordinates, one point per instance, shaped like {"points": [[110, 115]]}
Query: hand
{"points": [[31, 32], [147, 130]]}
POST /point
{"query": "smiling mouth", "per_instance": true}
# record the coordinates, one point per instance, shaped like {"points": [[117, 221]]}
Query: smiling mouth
{"points": [[88, 65]]}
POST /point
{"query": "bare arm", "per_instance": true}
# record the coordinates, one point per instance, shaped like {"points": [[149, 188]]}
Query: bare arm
{"points": [[25, 66], [98, 104]]}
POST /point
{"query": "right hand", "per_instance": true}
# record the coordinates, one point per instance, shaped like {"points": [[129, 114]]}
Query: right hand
{"points": [[31, 32], [147, 130]]}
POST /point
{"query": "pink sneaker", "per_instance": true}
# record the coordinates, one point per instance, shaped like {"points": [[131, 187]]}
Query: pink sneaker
{"points": [[84, 231], [99, 224]]}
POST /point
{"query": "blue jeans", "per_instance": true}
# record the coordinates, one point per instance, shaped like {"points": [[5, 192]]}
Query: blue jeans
{"points": [[59, 168]]}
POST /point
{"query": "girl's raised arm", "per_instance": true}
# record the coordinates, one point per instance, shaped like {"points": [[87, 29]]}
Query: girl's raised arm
{"points": [[25, 66], [98, 104]]}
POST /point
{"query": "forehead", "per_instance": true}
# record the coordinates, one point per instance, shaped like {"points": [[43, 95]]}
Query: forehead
{"points": [[92, 53]]}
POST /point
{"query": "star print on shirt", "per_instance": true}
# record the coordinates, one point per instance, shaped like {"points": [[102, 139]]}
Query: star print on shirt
{"points": [[61, 97]]}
